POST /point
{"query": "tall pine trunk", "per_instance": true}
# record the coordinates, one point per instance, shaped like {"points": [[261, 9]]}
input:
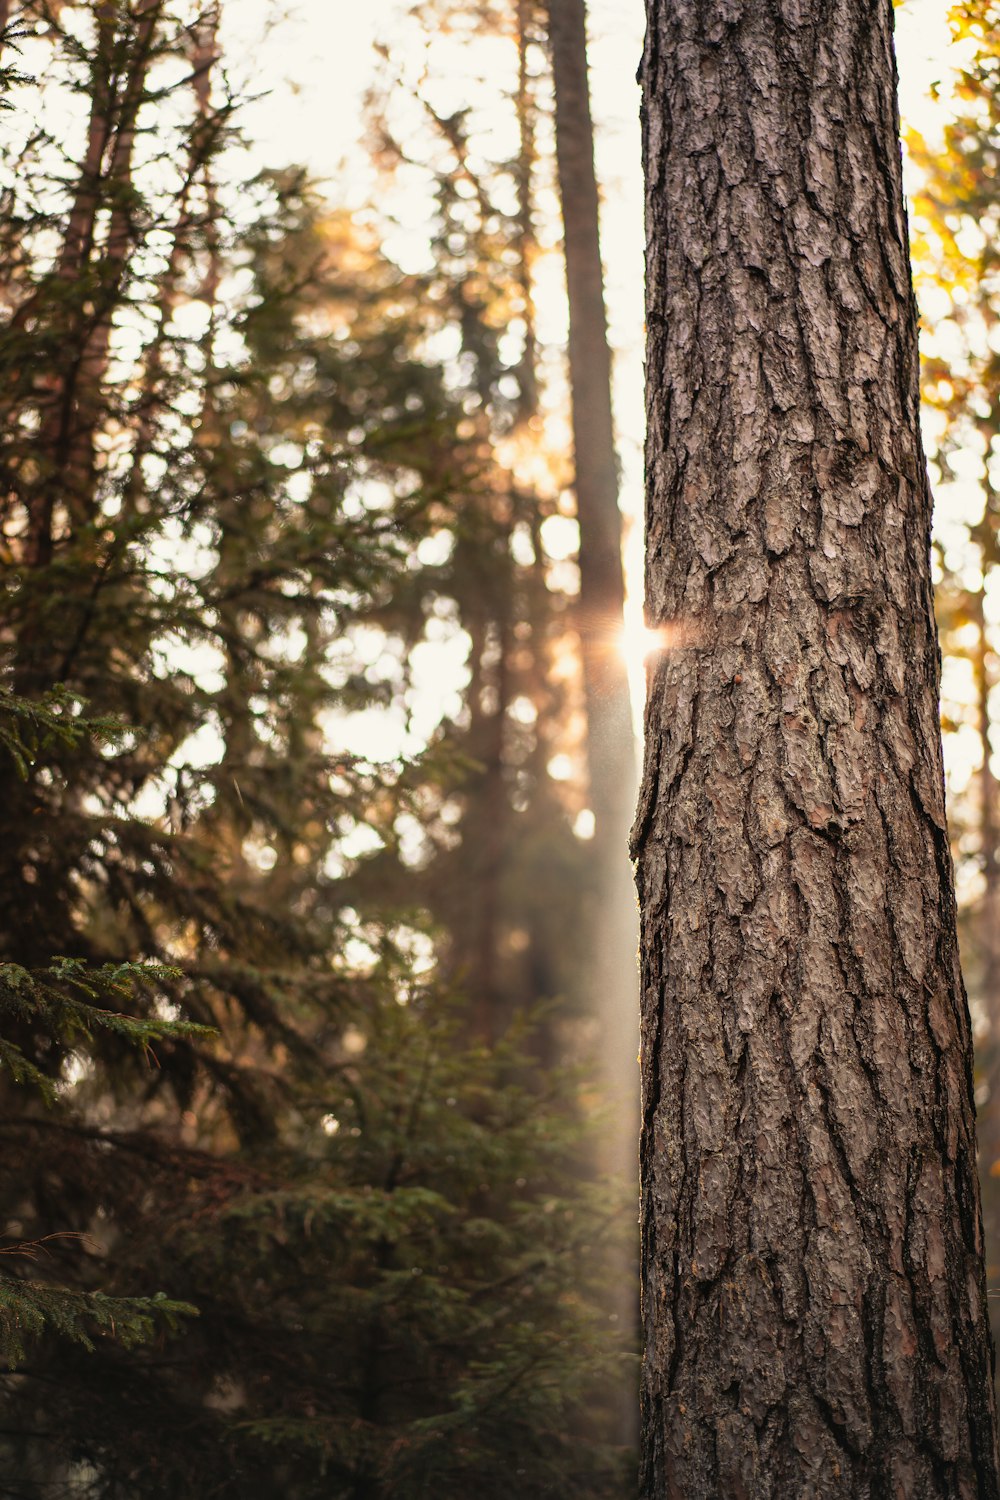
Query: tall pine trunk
{"points": [[611, 763], [989, 916], [813, 1281], [610, 745], [610, 739]]}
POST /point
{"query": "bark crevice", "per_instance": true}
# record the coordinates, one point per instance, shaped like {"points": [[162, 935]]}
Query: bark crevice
{"points": [[814, 1289]]}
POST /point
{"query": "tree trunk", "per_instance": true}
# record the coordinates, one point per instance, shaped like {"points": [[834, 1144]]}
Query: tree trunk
{"points": [[525, 243], [610, 742], [610, 739], [611, 757], [813, 1282], [989, 922], [987, 927]]}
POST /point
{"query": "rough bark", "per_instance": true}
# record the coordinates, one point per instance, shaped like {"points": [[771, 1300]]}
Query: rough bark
{"points": [[813, 1282]]}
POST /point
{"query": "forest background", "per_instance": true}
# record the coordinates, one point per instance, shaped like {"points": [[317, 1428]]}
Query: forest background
{"points": [[317, 1043]]}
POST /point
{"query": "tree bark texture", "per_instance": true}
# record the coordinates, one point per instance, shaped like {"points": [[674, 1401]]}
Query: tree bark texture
{"points": [[813, 1281]]}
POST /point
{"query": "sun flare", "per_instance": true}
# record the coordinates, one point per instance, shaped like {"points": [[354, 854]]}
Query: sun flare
{"points": [[638, 641]]}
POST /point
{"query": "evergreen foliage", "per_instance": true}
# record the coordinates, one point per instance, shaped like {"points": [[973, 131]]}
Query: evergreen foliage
{"points": [[400, 1298], [242, 490], [29, 1309], [522, 712], [65, 1004]]}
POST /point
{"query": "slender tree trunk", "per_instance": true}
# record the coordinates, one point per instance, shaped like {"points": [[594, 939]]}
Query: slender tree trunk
{"points": [[611, 751], [988, 833], [73, 410], [492, 1014], [988, 915], [238, 629], [610, 738], [59, 384], [813, 1283], [72, 399], [985, 536], [610, 742], [84, 397], [526, 241]]}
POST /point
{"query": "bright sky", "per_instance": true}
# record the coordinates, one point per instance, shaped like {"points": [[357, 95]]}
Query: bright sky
{"points": [[317, 61], [315, 58]]}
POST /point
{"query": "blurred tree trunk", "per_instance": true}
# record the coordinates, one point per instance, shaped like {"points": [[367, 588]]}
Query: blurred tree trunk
{"points": [[611, 760], [989, 836], [988, 913], [610, 741], [525, 240], [127, 42], [814, 1285], [240, 631], [610, 738], [72, 402]]}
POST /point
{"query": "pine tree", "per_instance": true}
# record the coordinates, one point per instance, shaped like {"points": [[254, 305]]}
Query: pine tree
{"points": [[514, 831], [814, 1284], [369, 1214]]}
